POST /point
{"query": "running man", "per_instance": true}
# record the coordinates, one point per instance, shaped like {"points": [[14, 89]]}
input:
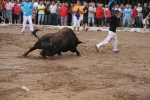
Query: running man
{"points": [[112, 33], [27, 15]]}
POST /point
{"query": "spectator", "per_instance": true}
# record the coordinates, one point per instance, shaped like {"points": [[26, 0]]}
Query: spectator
{"points": [[147, 19], [63, 13], [3, 3], [145, 12], [47, 13], [41, 13], [9, 7], [53, 9], [85, 17], [103, 16], [20, 11], [35, 12], [0, 11], [119, 17], [92, 11], [108, 15], [58, 19], [78, 10], [139, 16], [72, 12], [134, 14], [16, 11], [99, 13], [28, 7], [127, 16]]}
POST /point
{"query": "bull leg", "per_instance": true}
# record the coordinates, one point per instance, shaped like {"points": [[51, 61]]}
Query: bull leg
{"points": [[30, 50], [77, 53], [75, 50], [43, 54]]}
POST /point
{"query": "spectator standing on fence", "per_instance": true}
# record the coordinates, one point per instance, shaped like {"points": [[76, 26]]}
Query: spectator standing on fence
{"points": [[53, 17], [134, 14], [16, 11], [28, 7], [41, 13], [63, 13], [139, 16], [99, 14], [9, 7], [85, 17], [78, 10], [108, 15], [145, 12], [127, 16], [47, 13], [91, 15], [35, 12]]}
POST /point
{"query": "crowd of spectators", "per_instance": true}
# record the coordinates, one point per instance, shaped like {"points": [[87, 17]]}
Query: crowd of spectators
{"points": [[58, 13]]}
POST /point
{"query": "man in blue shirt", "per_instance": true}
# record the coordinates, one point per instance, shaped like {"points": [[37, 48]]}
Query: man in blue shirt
{"points": [[127, 15], [27, 15]]}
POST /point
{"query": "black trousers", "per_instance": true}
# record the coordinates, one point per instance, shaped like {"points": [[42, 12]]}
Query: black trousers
{"points": [[53, 19]]}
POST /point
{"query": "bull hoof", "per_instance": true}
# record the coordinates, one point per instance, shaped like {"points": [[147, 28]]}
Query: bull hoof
{"points": [[78, 54]]}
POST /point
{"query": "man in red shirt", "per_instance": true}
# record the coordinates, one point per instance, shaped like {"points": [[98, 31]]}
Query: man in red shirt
{"points": [[63, 13], [3, 3], [134, 14], [108, 15], [16, 11], [99, 13]]}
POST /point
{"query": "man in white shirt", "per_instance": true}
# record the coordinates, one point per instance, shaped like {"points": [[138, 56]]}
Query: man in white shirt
{"points": [[9, 7], [53, 17], [92, 11], [139, 16]]}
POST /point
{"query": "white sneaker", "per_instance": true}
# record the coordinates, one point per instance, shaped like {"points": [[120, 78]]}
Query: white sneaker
{"points": [[22, 32], [96, 48], [145, 27]]}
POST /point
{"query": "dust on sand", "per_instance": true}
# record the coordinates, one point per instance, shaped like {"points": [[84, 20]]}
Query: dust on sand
{"points": [[92, 76]]}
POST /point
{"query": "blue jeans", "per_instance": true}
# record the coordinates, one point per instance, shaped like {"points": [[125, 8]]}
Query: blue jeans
{"points": [[40, 17], [72, 21], [126, 20], [8, 14], [138, 20], [91, 19]]}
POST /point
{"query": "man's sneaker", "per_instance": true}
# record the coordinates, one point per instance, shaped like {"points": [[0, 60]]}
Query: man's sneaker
{"points": [[22, 32], [96, 48], [116, 51]]}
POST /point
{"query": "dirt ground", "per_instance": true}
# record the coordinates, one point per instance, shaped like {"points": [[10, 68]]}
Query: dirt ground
{"points": [[92, 76]]}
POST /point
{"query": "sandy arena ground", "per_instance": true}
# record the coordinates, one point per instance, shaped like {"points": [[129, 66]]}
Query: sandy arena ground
{"points": [[92, 76]]}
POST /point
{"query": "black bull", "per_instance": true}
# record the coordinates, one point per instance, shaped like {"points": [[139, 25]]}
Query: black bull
{"points": [[51, 44]]}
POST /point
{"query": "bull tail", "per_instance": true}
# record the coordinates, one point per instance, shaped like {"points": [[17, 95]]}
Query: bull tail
{"points": [[79, 42], [34, 33]]}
